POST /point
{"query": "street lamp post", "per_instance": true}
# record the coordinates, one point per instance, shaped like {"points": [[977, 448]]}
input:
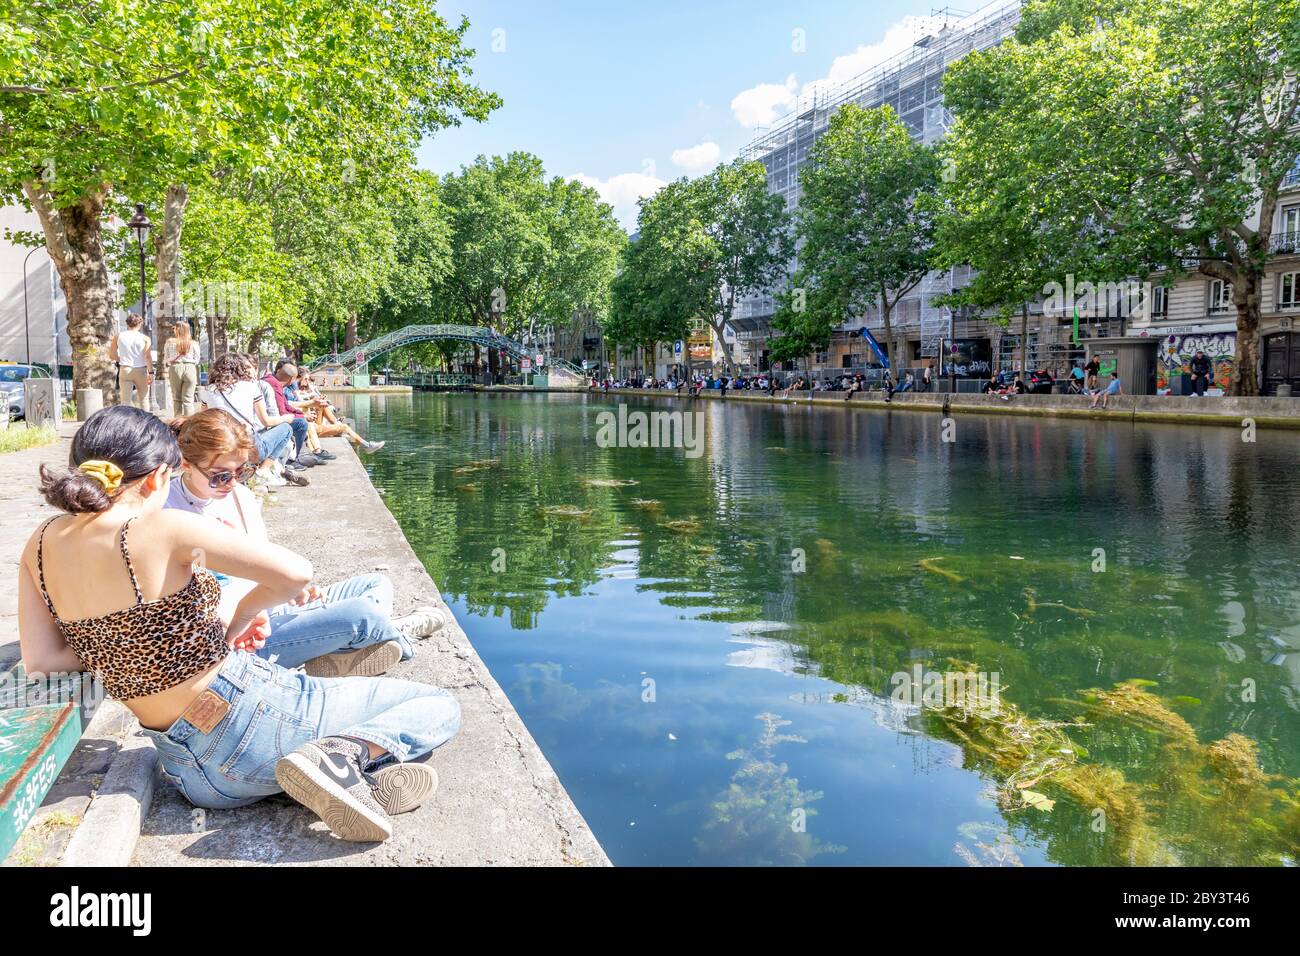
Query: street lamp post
{"points": [[27, 331], [140, 225]]}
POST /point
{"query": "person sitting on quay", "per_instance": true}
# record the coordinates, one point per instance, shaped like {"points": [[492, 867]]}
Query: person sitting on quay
{"points": [[285, 373], [303, 394], [230, 727], [1114, 388], [346, 629], [231, 388], [323, 421], [1202, 372], [855, 386]]}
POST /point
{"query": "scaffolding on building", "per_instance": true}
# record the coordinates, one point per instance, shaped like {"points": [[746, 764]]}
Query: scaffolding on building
{"points": [[911, 82]]}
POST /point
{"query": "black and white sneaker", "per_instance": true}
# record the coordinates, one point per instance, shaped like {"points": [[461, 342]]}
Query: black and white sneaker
{"points": [[324, 455], [295, 476], [326, 777]]}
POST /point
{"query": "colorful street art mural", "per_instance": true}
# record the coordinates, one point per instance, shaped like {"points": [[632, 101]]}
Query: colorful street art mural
{"points": [[1175, 357]]}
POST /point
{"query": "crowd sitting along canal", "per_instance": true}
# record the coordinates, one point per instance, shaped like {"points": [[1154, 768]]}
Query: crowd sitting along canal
{"points": [[1083, 379], [249, 678]]}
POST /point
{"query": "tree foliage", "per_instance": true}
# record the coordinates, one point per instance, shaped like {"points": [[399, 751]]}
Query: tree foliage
{"points": [[1160, 130], [702, 245], [866, 219]]}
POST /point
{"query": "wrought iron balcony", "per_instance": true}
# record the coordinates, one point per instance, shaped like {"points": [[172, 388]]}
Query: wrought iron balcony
{"points": [[1284, 243]]}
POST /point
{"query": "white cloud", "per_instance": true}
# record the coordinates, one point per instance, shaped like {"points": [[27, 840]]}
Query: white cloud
{"points": [[697, 159], [622, 192], [897, 38], [761, 105]]}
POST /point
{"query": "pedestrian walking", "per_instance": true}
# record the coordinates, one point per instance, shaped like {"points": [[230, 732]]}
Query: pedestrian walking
{"points": [[132, 351]]}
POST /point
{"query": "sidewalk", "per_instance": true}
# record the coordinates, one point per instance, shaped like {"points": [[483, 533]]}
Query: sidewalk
{"points": [[21, 509], [498, 803]]}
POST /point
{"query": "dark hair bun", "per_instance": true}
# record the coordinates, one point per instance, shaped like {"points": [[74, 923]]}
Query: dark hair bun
{"points": [[73, 491]]}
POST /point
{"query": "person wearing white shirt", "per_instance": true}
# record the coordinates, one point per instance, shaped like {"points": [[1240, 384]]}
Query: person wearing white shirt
{"points": [[132, 351], [347, 628]]}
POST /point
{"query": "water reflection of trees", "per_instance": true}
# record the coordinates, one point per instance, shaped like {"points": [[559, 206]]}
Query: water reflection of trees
{"points": [[1189, 521]]}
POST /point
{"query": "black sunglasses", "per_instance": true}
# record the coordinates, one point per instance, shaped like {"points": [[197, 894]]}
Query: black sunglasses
{"points": [[218, 478]]}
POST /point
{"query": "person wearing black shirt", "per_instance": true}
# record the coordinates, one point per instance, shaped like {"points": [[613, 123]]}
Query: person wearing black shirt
{"points": [[1091, 371], [1202, 372]]}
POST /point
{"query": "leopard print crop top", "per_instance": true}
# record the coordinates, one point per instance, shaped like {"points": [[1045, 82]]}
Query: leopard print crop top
{"points": [[150, 646]]}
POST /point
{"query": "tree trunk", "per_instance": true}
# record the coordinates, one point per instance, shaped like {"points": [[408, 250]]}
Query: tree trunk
{"points": [[255, 340], [886, 313], [1024, 340], [1245, 368], [718, 329], [350, 333], [1247, 282], [218, 337], [74, 240], [166, 261]]}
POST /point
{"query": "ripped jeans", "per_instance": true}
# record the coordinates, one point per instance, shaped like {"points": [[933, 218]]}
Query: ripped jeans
{"points": [[354, 613], [273, 711]]}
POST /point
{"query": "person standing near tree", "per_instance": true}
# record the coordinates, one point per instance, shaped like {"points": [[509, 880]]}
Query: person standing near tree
{"points": [[132, 350], [181, 358]]}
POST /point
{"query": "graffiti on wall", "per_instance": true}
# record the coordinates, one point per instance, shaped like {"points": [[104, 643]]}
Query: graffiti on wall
{"points": [[1176, 353]]}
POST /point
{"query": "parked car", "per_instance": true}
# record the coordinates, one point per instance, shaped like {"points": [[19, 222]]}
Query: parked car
{"points": [[12, 375], [1039, 383]]}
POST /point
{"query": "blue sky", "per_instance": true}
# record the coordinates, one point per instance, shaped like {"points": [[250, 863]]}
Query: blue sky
{"points": [[627, 96]]}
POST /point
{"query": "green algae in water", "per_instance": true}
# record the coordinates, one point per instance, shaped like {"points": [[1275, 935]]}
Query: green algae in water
{"points": [[1189, 803], [566, 511]]}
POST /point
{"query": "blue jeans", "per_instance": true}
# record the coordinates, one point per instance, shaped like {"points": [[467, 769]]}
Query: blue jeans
{"points": [[355, 613], [299, 427], [273, 442], [273, 711]]}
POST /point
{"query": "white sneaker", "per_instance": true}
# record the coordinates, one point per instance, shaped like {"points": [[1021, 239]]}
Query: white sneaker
{"points": [[423, 622], [272, 480]]}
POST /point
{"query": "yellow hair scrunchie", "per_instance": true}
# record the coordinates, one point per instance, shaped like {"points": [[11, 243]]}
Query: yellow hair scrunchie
{"points": [[105, 472]]}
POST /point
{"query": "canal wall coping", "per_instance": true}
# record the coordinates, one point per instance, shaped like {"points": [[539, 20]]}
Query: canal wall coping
{"points": [[1226, 411]]}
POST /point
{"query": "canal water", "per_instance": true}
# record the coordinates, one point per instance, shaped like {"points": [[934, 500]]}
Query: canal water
{"points": [[754, 650]]}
